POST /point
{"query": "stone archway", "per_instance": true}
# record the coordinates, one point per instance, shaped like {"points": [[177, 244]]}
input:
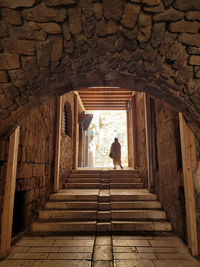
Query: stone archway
{"points": [[49, 47]]}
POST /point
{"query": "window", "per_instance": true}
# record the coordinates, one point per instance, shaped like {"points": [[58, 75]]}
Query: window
{"points": [[67, 119]]}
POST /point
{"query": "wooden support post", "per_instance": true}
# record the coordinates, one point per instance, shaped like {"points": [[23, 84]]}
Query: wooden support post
{"points": [[128, 137], [186, 148], [134, 127], [149, 149], [75, 139], [57, 148], [9, 196]]}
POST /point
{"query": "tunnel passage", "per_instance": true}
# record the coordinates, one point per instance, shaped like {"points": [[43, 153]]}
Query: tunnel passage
{"points": [[50, 47]]}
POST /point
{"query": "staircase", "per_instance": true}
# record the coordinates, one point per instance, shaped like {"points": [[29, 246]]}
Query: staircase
{"points": [[102, 201]]}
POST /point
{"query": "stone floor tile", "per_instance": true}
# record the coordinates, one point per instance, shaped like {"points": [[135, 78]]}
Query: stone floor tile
{"points": [[28, 256], [174, 256], [103, 240], [70, 256], [76, 249], [102, 264], [35, 243], [131, 237], [131, 243], [134, 256], [166, 243], [44, 249], [134, 263], [61, 263], [20, 249], [102, 253], [162, 249], [124, 249], [175, 263], [84, 237], [64, 237], [73, 243], [17, 263]]}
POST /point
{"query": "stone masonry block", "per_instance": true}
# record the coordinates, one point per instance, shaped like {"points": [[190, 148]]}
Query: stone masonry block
{"points": [[42, 13], [190, 39], [3, 76], [170, 14], [74, 21], [193, 15], [24, 47], [59, 2], [194, 60], [17, 3], [113, 9], [52, 28], [11, 16], [9, 61], [130, 16], [187, 5], [185, 26]]}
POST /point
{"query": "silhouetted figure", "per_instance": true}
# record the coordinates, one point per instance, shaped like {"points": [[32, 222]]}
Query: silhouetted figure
{"points": [[116, 153]]}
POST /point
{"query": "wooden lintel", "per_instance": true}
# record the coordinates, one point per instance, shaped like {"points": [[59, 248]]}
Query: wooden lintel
{"points": [[186, 144], [105, 108], [57, 147], [9, 196], [104, 94], [104, 89]]}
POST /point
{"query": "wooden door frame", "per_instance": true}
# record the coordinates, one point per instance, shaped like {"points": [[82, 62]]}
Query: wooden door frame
{"points": [[188, 148], [58, 141], [9, 196]]}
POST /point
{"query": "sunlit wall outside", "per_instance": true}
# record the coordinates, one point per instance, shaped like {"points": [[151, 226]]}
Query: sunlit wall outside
{"points": [[105, 126]]}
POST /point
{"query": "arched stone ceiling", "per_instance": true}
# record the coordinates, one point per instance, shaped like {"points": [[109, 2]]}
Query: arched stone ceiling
{"points": [[49, 47]]}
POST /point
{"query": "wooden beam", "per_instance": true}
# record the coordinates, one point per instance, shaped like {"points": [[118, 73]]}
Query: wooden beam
{"points": [[75, 136], [187, 138], [105, 98], [149, 151], [104, 94], [57, 147], [105, 108], [105, 89], [9, 196], [134, 127]]}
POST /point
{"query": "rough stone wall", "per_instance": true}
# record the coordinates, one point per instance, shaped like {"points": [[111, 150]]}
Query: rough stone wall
{"points": [[145, 45], [169, 180], [36, 159], [66, 152], [141, 135]]}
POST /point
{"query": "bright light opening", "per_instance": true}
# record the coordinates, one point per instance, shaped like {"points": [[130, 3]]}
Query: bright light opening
{"points": [[105, 126]]}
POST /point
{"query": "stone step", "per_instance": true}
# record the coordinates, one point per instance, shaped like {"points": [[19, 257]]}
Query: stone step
{"points": [[78, 215], [84, 205], [104, 206], [120, 226], [75, 195], [100, 171], [136, 205], [99, 185], [57, 227], [82, 185], [125, 180], [104, 216], [84, 175], [138, 214], [83, 180], [126, 185], [119, 195], [104, 227]]}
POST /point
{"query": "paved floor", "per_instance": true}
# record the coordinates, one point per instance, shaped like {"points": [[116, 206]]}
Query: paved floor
{"points": [[100, 251]]}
